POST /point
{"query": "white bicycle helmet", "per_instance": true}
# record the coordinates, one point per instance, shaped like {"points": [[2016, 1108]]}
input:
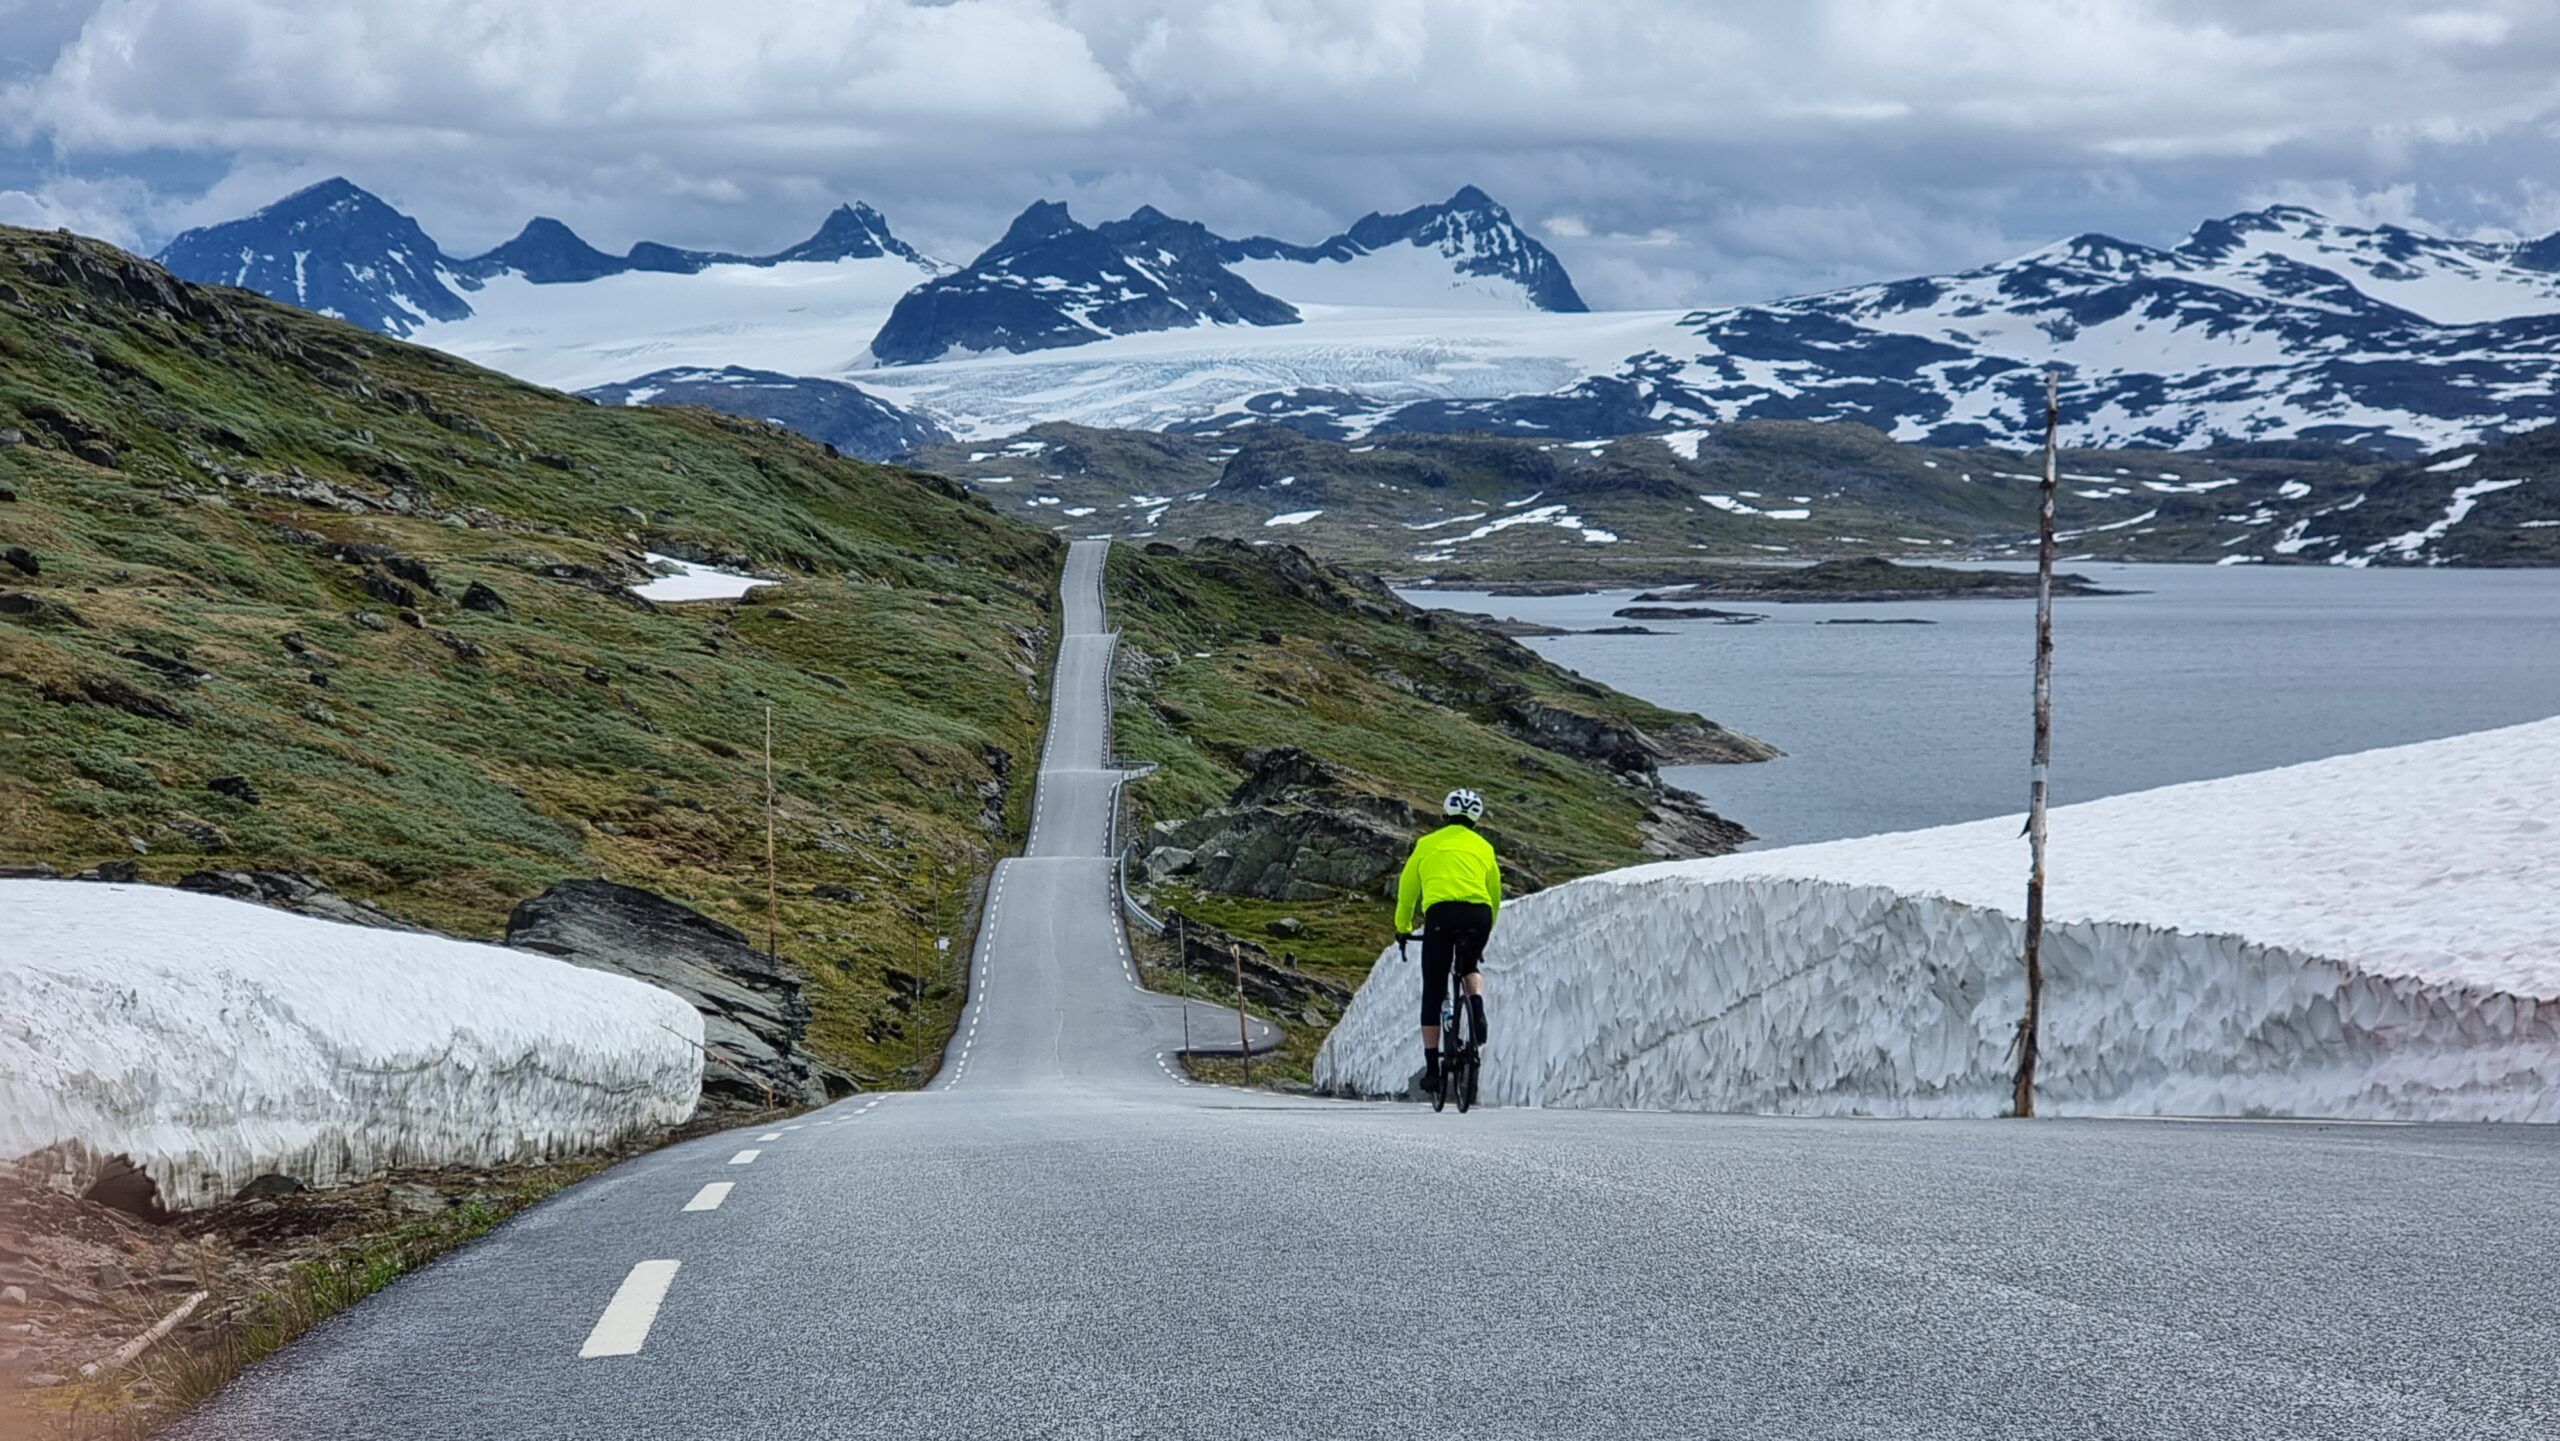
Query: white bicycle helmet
{"points": [[1463, 803]]}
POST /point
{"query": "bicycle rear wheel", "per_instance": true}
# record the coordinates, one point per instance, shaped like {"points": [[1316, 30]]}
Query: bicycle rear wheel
{"points": [[1458, 1066]]}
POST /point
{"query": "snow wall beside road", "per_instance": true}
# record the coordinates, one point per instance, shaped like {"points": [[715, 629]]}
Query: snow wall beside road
{"points": [[2374, 935], [212, 1041]]}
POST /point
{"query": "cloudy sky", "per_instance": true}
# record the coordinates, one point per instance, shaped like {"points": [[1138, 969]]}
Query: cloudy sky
{"points": [[1673, 152]]}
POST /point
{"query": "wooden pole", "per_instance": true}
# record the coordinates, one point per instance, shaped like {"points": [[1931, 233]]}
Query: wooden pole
{"points": [[772, 887], [1244, 1037], [2023, 1100]]}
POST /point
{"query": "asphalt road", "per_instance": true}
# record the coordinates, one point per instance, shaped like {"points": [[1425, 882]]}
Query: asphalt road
{"points": [[1058, 1238]]}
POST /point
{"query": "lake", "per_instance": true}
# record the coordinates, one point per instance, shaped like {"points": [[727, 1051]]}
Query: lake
{"points": [[2210, 671]]}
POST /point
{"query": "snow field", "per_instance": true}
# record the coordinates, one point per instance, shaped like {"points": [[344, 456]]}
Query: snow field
{"points": [[2368, 936], [212, 1041]]}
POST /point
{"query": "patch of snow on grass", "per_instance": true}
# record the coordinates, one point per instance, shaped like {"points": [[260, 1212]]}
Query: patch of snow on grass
{"points": [[689, 581], [1294, 517]]}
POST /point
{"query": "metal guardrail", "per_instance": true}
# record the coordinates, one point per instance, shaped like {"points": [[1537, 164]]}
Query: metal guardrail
{"points": [[1130, 904], [1120, 872]]}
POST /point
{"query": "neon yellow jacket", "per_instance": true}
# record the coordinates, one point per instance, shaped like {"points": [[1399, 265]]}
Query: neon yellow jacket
{"points": [[1452, 863]]}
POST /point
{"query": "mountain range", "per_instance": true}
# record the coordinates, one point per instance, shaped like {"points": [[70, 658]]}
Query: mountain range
{"points": [[339, 249], [2273, 324]]}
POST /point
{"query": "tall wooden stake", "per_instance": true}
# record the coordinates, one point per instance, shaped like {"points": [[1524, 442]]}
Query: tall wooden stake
{"points": [[772, 887], [1244, 1038], [2023, 1101]]}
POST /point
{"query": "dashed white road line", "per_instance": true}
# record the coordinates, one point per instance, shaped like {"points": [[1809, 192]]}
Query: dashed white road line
{"points": [[770, 1136], [624, 1327], [710, 1196], [746, 1157]]}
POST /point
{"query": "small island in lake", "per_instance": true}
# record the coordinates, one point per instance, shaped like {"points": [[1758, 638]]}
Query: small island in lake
{"points": [[1686, 612], [1866, 578]]}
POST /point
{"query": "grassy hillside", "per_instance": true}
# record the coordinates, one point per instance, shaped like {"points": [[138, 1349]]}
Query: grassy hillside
{"points": [[1305, 714], [386, 591]]}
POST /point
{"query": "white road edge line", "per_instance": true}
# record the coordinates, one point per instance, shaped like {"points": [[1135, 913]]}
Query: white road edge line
{"points": [[710, 1196], [746, 1157], [624, 1327]]}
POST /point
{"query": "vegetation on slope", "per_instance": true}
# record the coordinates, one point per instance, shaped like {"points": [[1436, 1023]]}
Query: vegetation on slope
{"points": [[279, 592], [1306, 722]]}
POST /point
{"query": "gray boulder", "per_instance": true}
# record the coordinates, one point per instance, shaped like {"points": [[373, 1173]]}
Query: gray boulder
{"points": [[292, 891], [754, 1018]]}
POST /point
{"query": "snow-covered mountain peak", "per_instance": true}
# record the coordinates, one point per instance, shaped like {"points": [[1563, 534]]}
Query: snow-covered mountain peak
{"points": [[1052, 282], [1463, 252], [334, 247], [2448, 281]]}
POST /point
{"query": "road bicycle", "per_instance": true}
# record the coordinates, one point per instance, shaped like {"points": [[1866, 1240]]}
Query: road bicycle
{"points": [[1460, 1057]]}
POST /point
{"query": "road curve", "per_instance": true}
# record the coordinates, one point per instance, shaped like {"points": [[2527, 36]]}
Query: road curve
{"points": [[1059, 1239]]}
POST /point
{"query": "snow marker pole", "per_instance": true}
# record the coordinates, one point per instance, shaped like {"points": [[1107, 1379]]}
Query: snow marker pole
{"points": [[772, 904], [1244, 1037], [2023, 1100]]}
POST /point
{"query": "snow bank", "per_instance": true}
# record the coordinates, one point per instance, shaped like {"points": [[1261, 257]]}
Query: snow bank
{"points": [[2372, 935], [213, 1041]]}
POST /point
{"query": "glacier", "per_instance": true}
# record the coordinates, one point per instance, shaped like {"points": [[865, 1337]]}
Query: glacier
{"points": [[2369, 936], [211, 1041]]}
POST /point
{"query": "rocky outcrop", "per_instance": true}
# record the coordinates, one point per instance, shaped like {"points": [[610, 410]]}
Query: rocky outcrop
{"points": [[1277, 855], [753, 1015], [293, 891], [1292, 831]]}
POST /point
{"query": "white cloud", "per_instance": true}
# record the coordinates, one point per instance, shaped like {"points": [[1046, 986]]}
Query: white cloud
{"points": [[1763, 146]]}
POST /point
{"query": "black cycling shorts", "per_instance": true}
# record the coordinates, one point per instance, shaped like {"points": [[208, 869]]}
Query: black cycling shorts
{"points": [[1453, 937]]}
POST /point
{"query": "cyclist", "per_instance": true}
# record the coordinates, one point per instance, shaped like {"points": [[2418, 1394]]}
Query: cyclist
{"points": [[1452, 885]]}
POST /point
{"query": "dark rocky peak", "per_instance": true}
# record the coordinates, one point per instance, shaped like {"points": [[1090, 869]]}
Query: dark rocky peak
{"points": [[336, 202], [1040, 221], [1052, 282], [546, 252], [1148, 227], [851, 232], [333, 247]]}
